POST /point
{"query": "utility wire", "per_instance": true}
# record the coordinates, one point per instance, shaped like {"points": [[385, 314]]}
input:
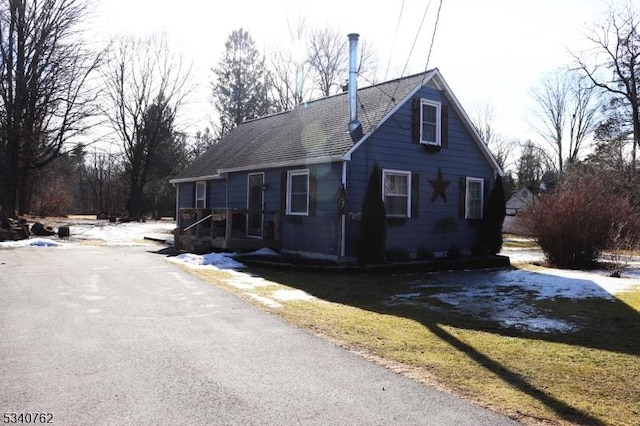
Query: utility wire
{"points": [[433, 37], [393, 47], [415, 40], [393, 44]]}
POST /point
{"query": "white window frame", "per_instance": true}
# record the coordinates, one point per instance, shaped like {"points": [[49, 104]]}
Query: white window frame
{"points": [[203, 199], [438, 106], [290, 175], [468, 200], [407, 174], [249, 186]]}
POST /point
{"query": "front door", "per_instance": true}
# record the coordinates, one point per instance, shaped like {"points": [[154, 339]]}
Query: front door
{"points": [[255, 203]]}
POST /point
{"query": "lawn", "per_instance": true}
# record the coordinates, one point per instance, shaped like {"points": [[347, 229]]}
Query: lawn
{"points": [[541, 348]]}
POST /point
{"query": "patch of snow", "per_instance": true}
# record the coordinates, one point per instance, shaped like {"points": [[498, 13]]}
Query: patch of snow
{"points": [[265, 251], [505, 296], [523, 255], [405, 299], [265, 300], [248, 282], [31, 242], [539, 324], [131, 233], [213, 260], [552, 283], [511, 309], [121, 233], [292, 295]]}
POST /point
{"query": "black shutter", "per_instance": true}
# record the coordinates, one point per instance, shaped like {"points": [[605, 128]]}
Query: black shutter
{"points": [[313, 193], [485, 196], [444, 126], [415, 195], [207, 195], [462, 194], [416, 121], [283, 192]]}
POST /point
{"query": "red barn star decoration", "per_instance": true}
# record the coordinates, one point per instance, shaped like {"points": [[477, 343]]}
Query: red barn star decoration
{"points": [[439, 187]]}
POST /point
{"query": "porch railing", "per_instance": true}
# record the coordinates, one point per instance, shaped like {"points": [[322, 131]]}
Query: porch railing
{"points": [[227, 228]]}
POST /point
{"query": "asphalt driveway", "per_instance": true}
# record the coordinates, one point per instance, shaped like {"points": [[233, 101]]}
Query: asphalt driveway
{"points": [[108, 335]]}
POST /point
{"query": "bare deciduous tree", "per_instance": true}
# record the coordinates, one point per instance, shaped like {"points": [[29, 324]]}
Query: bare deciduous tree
{"points": [[583, 119], [564, 115], [289, 71], [44, 91], [501, 148], [329, 58], [613, 63], [145, 87]]}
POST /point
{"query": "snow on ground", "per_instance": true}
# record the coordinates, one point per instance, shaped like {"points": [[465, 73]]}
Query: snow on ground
{"points": [[505, 296], [216, 260], [31, 242], [508, 296], [292, 295], [120, 233], [101, 232]]}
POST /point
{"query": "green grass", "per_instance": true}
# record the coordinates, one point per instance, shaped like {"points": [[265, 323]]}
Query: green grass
{"points": [[514, 241], [589, 376]]}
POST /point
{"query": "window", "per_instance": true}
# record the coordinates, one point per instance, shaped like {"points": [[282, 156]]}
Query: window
{"points": [[298, 192], [474, 198], [430, 122], [201, 194], [396, 187]]}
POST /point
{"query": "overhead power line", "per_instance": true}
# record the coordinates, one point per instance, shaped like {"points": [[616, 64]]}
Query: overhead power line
{"points": [[433, 38]]}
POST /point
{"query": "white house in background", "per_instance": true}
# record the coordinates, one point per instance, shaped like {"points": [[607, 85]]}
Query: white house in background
{"points": [[522, 199]]}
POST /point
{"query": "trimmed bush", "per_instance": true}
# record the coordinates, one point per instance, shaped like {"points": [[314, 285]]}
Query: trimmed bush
{"points": [[494, 217], [573, 224]]}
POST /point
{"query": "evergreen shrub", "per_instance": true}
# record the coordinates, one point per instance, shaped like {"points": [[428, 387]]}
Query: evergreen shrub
{"points": [[373, 225]]}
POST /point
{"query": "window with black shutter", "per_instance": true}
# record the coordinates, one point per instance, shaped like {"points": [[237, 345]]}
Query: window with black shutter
{"points": [[430, 124]]}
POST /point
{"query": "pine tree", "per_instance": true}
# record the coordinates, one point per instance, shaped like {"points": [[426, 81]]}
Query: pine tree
{"points": [[373, 226], [240, 91], [494, 218]]}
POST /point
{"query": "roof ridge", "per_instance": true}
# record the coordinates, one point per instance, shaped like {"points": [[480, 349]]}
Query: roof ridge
{"points": [[314, 101]]}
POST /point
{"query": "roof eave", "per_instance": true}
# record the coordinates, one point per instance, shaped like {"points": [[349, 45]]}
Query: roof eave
{"points": [[469, 125], [435, 74], [195, 179], [280, 164], [397, 106]]}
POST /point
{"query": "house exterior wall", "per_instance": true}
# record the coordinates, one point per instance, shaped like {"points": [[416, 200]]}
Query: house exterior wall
{"points": [[186, 195], [315, 234], [392, 148]]}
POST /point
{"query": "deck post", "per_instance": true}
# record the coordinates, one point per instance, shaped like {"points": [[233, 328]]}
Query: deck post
{"points": [[228, 228]]}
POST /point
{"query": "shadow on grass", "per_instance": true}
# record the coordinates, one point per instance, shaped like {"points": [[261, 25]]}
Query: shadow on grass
{"points": [[599, 321]]}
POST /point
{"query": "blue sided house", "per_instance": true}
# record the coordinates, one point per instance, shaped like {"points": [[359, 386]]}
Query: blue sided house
{"points": [[296, 181]]}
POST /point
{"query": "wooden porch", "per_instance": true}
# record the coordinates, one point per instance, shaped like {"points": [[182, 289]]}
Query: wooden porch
{"points": [[202, 230]]}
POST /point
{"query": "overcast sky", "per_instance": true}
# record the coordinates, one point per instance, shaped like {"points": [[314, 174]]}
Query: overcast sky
{"points": [[489, 51]]}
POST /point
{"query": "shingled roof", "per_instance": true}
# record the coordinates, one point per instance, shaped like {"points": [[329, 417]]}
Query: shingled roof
{"points": [[313, 132]]}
